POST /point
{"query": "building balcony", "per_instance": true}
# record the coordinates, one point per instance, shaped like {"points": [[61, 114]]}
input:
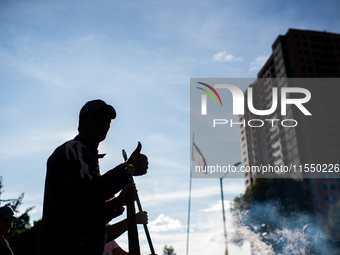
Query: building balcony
{"points": [[277, 153], [274, 133], [268, 88], [269, 97], [277, 143], [269, 104], [278, 162]]}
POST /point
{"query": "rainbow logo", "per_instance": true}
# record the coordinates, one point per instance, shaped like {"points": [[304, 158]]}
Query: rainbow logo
{"points": [[209, 93]]}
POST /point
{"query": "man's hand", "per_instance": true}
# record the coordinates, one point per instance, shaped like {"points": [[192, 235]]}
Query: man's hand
{"points": [[129, 191], [142, 217], [139, 161]]}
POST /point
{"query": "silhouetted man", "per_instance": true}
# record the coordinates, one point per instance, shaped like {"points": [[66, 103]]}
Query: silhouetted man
{"points": [[75, 209], [6, 223]]}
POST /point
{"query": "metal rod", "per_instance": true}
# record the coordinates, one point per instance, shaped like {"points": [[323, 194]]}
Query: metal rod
{"points": [[188, 227], [189, 204], [140, 210], [223, 211], [224, 223]]}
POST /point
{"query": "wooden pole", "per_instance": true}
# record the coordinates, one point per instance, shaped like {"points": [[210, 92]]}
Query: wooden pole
{"points": [[132, 228], [148, 237]]}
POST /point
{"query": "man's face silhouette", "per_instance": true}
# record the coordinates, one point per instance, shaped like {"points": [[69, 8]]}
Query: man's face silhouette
{"points": [[6, 224], [96, 126]]}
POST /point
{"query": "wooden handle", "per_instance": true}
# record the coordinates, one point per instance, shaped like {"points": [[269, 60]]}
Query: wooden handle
{"points": [[132, 228]]}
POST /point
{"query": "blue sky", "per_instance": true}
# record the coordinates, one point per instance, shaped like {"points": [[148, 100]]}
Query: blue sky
{"points": [[138, 56]]}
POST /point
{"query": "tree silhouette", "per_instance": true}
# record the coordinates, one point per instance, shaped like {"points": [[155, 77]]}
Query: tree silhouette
{"points": [[22, 238], [333, 222], [169, 250]]}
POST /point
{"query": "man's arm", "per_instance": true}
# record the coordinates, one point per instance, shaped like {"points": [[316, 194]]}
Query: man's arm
{"points": [[74, 187], [107, 185], [115, 230], [114, 180], [99, 189], [114, 207]]}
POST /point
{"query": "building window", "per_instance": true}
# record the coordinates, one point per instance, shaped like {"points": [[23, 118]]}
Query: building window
{"points": [[324, 186], [265, 160], [334, 198], [326, 198], [332, 187]]}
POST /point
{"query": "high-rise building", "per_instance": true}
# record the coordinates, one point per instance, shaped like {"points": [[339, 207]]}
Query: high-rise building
{"points": [[316, 139]]}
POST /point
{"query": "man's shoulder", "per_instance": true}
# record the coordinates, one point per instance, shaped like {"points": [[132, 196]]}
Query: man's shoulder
{"points": [[68, 149], [76, 155]]}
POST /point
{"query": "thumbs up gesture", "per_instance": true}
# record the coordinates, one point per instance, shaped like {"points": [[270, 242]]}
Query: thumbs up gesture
{"points": [[139, 161]]}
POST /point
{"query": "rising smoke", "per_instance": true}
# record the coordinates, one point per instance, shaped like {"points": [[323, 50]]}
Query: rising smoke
{"points": [[271, 232]]}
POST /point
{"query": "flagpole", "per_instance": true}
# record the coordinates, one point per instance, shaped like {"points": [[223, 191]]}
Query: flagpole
{"points": [[224, 222], [193, 135]]}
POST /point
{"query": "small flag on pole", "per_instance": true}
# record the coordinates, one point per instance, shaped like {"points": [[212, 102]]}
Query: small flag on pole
{"points": [[197, 157]]}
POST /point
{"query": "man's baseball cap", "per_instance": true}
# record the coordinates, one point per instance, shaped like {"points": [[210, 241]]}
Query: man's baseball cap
{"points": [[7, 211], [94, 106]]}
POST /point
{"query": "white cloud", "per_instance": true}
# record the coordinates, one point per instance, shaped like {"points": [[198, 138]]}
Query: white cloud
{"points": [[164, 223], [217, 206], [206, 237], [223, 56], [78, 42], [32, 141], [203, 192], [258, 63], [7, 112], [33, 66], [162, 142]]}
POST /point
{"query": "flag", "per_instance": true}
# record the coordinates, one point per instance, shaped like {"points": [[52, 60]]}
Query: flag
{"points": [[197, 157]]}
